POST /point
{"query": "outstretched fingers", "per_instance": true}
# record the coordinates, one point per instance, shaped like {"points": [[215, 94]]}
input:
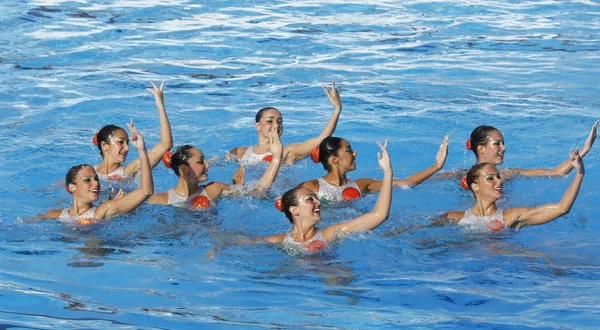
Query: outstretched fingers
{"points": [[383, 156], [333, 95]]}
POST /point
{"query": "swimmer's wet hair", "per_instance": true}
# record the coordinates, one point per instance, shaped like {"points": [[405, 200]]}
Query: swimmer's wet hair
{"points": [[480, 136], [290, 198], [260, 113], [327, 148], [105, 134], [72, 173], [474, 173], [179, 157]]}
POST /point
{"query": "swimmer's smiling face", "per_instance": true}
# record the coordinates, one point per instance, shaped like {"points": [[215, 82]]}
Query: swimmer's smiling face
{"points": [[198, 164], [86, 185], [488, 183], [309, 205], [271, 120], [118, 148], [493, 150]]}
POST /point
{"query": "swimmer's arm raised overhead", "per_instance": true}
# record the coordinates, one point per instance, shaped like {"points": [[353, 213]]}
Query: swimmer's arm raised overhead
{"points": [[521, 216], [565, 167], [136, 197], [380, 212], [166, 138], [298, 151]]}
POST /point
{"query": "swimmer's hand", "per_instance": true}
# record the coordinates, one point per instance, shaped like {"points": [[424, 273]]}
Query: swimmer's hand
{"points": [[334, 96], [590, 140], [137, 140], [240, 174], [158, 92], [440, 159], [113, 196], [383, 157], [577, 161], [275, 146]]}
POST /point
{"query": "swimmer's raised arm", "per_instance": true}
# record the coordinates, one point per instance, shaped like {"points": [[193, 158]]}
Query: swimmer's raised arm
{"points": [[298, 151], [419, 177], [565, 167], [381, 210], [166, 138], [136, 197], [371, 185], [521, 216]]}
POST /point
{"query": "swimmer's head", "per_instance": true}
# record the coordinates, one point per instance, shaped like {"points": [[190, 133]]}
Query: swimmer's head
{"points": [[261, 113], [180, 156], [105, 134], [329, 147], [334, 151], [289, 199], [480, 136], [72, 175], [474, 172], [268, 119], [488, 145]]}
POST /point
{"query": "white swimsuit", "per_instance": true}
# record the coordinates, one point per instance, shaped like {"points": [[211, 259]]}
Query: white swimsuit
{"points": [[251, 158], [181, 201], [494, 222], [116, 175], [331, 193], [315, 244], [65, 217]]}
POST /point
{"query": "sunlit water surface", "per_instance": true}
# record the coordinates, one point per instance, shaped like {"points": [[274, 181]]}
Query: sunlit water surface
{"points": [[409, 71]]}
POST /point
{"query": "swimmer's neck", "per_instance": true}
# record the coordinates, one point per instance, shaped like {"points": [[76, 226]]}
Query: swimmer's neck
{"points": [[335, 178], [483, 208], [106, 167], [185, 188], [263, 146], [302, 235], [79, 208]]}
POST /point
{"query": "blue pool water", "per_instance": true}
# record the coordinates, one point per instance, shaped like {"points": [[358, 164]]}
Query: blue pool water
{"points": [[409, 71]]}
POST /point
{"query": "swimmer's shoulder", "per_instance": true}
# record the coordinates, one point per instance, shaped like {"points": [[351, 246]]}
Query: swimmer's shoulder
{"points": [[453, 215], [238, 151], [275, 239], [52, 214], [160, 198], [312, 185]]}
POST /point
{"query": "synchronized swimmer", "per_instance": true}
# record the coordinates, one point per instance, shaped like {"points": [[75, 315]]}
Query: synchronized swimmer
{"points": [[113, 143], [270, 119], [191, 167], [302, 204], [338, 158]]}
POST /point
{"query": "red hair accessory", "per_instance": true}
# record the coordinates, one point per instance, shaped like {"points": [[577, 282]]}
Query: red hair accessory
{"points": [[67, 189], [314, 155], [166, 159], [95, 139], [279, 204], [200, 202], [268, 158], [350, 193], [468, 146], [463, 183]]}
